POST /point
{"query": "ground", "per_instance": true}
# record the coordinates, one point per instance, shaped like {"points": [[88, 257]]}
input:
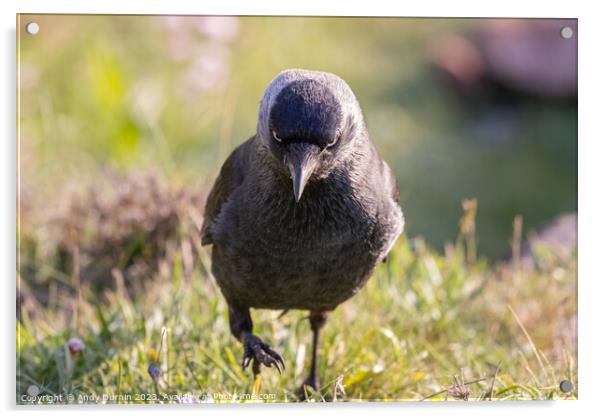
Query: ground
{"points": [[425, 322]]}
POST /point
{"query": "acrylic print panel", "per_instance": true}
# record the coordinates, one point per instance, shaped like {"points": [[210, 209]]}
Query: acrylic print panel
{"points": [[392, 219]]}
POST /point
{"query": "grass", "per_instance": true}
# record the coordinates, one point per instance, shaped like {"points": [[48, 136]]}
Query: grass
{"points": [[425, 322]]}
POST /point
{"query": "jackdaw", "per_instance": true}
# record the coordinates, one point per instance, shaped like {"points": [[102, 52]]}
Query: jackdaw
{"points": [[302, 212]]}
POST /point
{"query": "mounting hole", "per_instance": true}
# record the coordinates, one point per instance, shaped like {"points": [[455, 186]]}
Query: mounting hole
{"points": [[566, 32], [565, 386], [32, 28]]}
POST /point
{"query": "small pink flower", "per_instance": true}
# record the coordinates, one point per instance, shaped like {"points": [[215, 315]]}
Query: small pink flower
{"points": [[75, 345], [219, 28]]}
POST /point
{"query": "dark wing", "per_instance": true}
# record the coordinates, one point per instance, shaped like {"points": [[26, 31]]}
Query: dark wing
{"points": [[385, 176], [396, 215], [393, 184], [231, 176]]}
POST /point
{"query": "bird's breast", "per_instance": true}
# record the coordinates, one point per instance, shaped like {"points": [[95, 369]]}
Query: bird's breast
{"points": [[308, 255]]}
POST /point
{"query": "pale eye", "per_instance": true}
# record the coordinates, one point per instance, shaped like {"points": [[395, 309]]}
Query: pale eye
{"points": [[276, 137], [333, 142]]}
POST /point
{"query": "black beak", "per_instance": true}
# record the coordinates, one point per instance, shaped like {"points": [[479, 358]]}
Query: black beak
{"points": [[302, 159]]}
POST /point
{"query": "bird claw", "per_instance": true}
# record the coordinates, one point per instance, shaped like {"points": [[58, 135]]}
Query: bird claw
{"points": [[308, 389], [256, 349]]}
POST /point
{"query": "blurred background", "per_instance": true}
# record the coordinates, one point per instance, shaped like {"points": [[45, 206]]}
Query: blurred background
{"points": [[460, 108]]}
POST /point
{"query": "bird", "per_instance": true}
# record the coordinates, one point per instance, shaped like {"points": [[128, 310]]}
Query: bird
{"points": [[301, 213]]}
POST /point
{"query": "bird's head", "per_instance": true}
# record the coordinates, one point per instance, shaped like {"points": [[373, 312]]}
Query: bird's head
{"points": [[309, 121]]}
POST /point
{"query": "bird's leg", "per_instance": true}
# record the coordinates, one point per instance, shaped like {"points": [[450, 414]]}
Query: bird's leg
{"points": [[255, 349], [316, 322]]}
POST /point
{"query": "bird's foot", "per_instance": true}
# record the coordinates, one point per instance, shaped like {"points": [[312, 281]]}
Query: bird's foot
{"points": [[309, 387], [258, 351]]}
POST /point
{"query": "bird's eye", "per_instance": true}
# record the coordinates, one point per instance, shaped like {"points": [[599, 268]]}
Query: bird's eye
{"points": [[276, 137], [334, 141]]}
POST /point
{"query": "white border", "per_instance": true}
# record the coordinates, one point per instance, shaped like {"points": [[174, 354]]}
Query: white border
{"points": [[590, 209]]}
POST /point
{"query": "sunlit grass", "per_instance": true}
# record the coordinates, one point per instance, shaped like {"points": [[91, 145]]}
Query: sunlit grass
{"points": [[422, 320]]}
